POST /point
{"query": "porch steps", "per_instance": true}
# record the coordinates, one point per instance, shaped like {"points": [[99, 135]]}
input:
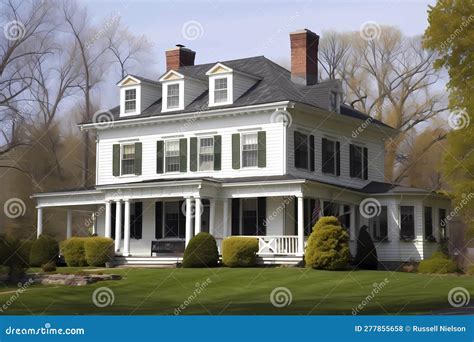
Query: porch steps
{"points": [[173, 261]]}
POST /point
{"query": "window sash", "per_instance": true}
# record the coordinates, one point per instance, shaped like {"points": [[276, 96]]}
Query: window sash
{"points": [[329, 157], [172, 159], [428, 222], [130, 100], [128, 159], [220, 90], [356, 162], [173, 96], [378, 225], [249, 150], [206, 154], [301, 150], [407, 222]]}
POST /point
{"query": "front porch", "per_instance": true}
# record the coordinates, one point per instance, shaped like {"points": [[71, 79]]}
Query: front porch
{"points": [[280, 214]]}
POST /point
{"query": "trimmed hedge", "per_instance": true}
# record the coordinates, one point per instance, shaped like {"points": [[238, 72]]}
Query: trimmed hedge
{"points": [[98, 250], [438, 263], [239, 251], [74, 252], [366, 257], [44, 250], [328, 246], [201, 252]]}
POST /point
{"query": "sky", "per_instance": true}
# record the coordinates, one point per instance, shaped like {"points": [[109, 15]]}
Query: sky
{"points": [[223, 30]]}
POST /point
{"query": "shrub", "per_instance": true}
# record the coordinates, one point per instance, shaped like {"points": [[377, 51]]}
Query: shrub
{"points": [[12, 256], [26, 246], [470, 270], [48, 267], [327, 246], [438, 263], [44, 249], [201, 251], [73, 251], [239, 251], [99, 250], [366, 257]]}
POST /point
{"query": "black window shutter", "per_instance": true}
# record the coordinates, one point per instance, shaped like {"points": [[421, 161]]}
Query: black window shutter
{"points": [[193, 154], [159, 156], [236, 151], [183, 154], [158, 220], [262, 149], [138, 158], [311, 152], [217, 152], [116, 160], [113, 211], [236, 216], [324, 157], [351, 160], [138, 222], [312, 205], [366, 163], [261, 216], [338, 158]]}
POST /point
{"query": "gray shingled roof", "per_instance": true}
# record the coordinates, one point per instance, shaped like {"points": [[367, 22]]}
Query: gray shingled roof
{"points": [[274, 84]]}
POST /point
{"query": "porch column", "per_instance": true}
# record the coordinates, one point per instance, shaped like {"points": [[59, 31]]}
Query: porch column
{"points": [[39, 225], [69, 224], [197, 215], [189, 222], [126, 238], [300, 226], [352, 228], [94, 223], [225, 227], [212, 216], [118, 225], [108, 219]]}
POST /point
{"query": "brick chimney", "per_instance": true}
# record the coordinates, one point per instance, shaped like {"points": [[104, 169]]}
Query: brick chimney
{"points": [[304, 57], [178, 57]]}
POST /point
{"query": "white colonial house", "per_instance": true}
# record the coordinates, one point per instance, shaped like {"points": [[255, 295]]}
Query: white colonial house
{"points": [[244, 147]]}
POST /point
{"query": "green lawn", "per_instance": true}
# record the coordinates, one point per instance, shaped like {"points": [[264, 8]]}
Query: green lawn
{"points": [[243, 291]]}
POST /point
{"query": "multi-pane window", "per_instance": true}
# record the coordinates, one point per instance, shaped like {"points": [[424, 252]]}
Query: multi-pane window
{"points": [[442, 223], [330, 157], [128, 159], [378, 225], [407, 222], [172, 156], [358, 160], [301, 150], [130, 100], [206, 154], [173, 96], [249, 149], [333, 101], [220, 90], [429, 223]]}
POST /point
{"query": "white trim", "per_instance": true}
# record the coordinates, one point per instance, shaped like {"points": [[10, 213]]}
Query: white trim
{"points": [[164, 96], [169, 72], [242, 151], [230, 89], [138, 104], [199, 152]]}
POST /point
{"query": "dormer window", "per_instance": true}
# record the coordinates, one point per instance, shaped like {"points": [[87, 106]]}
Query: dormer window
{"points": [[334, 101], [130, 100], [220, 90], [173, 96]]}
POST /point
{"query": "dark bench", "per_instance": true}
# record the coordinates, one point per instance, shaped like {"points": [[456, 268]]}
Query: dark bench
{"points": [[170, 246]]}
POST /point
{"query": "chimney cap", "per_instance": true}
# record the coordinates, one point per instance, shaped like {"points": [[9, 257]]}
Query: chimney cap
{"points": [[180, 45], [305, 30]]}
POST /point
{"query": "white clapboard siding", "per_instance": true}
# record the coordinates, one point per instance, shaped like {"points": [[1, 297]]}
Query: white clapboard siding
{"points": [[149, 94], [149, 134]]}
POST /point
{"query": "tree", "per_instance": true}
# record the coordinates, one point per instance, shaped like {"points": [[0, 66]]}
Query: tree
{"points": [[390, 78], [450, 34]]}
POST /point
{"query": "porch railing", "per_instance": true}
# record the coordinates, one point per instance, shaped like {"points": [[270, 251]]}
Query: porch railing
{"points": [[277, 245]]}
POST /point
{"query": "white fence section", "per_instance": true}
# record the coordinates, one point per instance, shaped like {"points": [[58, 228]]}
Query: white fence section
{"points": [[277, 245]]}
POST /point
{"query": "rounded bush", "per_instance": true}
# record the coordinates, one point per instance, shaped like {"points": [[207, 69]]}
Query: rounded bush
{"points": [[201, 252], [239, 251], [26, 246], [43, 250], [73, 251], [98, 250], [438, 263], [327, 246], [366, 257]]}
